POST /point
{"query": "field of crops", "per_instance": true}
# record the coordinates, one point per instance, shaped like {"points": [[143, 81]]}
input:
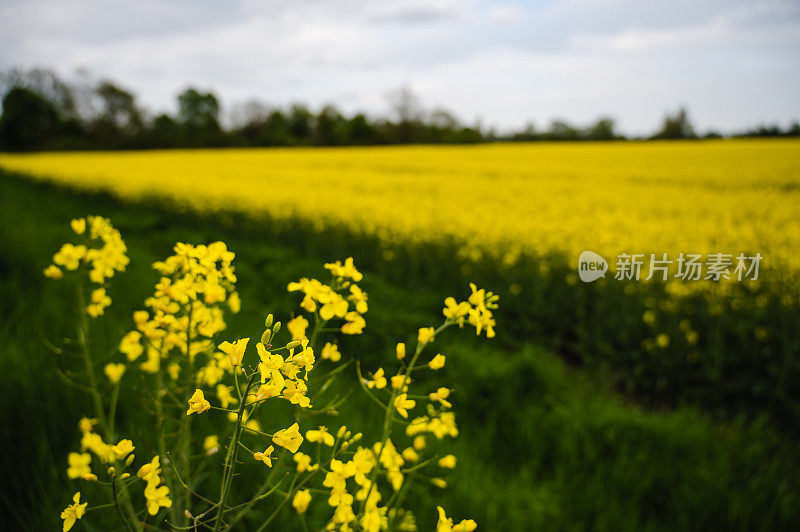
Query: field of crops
{"points": [[725, 196], [517, 217], [612, 405]]}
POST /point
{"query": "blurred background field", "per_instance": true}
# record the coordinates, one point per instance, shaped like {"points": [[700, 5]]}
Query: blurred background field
{"points": [[516, 217], [572, 418]]}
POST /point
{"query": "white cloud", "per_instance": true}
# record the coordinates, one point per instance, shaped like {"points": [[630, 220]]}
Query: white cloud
{"points": [[733, 62]]}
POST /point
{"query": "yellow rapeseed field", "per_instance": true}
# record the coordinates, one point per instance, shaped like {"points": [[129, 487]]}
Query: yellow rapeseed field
{"points": [[697, 197]]}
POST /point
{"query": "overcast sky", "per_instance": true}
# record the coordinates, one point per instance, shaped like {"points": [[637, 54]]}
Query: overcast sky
{"points": [[733, 63]]}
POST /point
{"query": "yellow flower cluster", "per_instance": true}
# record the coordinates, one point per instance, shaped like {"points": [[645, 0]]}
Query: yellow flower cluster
{"points": [[156, 496], [342, 299], [185, 310], [101, 252], [73, 512], [477, 310], [120, 456], [183, 319]]}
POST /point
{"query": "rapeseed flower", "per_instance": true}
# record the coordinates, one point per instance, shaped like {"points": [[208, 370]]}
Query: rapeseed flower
{"points": [[198, 403], [301, 501], [73, 512], [265, 456], [290, 438], [79, 465], [402, 404]]}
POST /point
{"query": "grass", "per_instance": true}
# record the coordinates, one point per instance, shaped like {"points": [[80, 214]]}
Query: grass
{"points": [[542, 445]]}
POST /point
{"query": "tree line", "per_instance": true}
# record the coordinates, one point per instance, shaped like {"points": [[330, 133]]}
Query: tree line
{"points": [[40, 111]]}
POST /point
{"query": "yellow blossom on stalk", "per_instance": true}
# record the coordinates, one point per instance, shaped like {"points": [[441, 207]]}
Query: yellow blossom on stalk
{"points": [[173, 370], [151, 469], [440, 425], [234, 302], [114, 372], [156, 496], [86, 424], [95, 443], [441, 396], [359, 298], [131, 345], [426, 335], [69, 256], [378, 380], [400, 382], [211, 444], [301, 500], [295, 393], [439, 482], [320, 436], [419, 443], [400, 351], [235, 350], [103, 261], [448, 462], [336, 479], [78, 225], [355, 323], [266, 456], [304, 463], [98, 302], [198, 403], [123, 449], [345, 271], [331, 352], [445, 524], [304, 359], [409, 454], [289, 438], [53, 272], [335, 306], [456, 312], [73, 512], [480, 315], [402, 404], [437, 362], [78, 465], [297, 327], [225, 395], [371, 520]]}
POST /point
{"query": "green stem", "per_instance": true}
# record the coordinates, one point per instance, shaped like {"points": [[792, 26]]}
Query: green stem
{"points": [[230, 459], [388, 417], [83, 331]]}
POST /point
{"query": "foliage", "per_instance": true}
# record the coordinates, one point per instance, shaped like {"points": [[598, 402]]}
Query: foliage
{"points": [[550, 446], [177, 335]]}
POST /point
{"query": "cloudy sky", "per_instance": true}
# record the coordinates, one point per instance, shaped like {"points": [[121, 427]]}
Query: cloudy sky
{"points": [[733, 63]]}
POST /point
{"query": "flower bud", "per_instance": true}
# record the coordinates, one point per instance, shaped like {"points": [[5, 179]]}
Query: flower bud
{"points": [[111, 471], [268, 321], [125, 476], [276, 327], [129, 460]]}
